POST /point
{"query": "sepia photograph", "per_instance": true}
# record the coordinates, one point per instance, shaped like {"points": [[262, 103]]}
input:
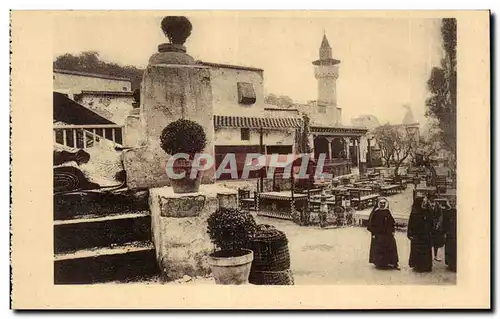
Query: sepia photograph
{"points": [[255, 150]]}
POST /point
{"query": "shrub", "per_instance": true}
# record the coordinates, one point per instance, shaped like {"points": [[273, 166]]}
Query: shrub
{"points": [[183, 136], [231, 229]]}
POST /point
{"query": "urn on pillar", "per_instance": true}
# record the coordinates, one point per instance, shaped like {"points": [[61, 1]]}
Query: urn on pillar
{"points": [[173, 87]]}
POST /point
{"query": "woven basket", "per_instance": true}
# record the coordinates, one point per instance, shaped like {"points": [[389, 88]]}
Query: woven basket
{"points": [[270, 247], [284, 277]]}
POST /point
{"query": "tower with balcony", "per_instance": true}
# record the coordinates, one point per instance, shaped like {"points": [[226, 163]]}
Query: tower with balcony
{"points": [[326, 71]]}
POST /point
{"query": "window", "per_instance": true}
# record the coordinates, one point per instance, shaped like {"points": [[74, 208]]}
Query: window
{"points": [[246, 93], [322, 109], [124, 88], [245, 134]]}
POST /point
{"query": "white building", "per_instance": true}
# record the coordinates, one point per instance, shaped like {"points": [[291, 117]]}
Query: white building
{"points": [[240, 114], [75, 81], [89, 107]]}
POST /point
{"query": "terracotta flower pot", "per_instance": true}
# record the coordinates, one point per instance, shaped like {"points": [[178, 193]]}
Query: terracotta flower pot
{"points": [[231, 267], [185, 184]]}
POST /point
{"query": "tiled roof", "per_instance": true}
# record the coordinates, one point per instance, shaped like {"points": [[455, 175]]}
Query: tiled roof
{"points": [[338, 130], [116, 93], [229, 66], [256, 122]]}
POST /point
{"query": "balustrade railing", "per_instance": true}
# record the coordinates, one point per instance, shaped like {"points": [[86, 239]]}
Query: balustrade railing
{"points": [[86, 136]]}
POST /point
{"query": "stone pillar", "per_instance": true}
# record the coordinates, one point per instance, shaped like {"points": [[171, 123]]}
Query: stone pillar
{"points": [[357, 151], [347, 141], [173, 87], [362, 153], [329, 139], [179, 228]]}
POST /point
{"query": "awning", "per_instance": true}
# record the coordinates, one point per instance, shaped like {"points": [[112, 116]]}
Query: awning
{"points": [[221, 121], [338, 130]]}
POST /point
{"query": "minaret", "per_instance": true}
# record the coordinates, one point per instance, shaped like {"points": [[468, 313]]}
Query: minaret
{"points": [[326, 71]]}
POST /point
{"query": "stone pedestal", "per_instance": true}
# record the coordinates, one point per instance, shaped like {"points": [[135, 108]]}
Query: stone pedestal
{"points": [[179, 227], [169, 92], [227, 199]]}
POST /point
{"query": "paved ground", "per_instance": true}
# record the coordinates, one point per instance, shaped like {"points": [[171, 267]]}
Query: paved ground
{"points": [[340, 256]]}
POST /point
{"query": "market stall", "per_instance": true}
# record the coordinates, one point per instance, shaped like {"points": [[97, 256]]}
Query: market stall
{"points": [[282, 203]]}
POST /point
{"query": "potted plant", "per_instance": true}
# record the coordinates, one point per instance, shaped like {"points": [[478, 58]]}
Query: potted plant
{"points": [[230, 231], [188, 137]]}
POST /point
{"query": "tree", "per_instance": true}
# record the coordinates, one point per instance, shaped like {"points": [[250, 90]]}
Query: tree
{"points": [[425, 151], [442, 85], [285, 101], [271, 99], [385, 136], [281, 101], [89, 61], [396, 144], [303, 145]]}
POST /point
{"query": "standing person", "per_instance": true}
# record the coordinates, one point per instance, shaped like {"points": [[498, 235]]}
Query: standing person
{"points": [[437, 233], [375, 206], [419, 232], [450, 230], [383, 249]]}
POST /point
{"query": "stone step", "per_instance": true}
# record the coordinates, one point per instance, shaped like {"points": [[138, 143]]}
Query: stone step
{"points": [[93, 231], [98, 203], [133, 261]]}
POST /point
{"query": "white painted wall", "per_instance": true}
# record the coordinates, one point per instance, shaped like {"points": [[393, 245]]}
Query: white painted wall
{"points": [[77, 83], [331, 117], [114, 108], [224, 83], [232, 136]]}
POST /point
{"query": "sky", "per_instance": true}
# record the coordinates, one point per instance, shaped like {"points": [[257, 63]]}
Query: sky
{"points": [[385, 62]]}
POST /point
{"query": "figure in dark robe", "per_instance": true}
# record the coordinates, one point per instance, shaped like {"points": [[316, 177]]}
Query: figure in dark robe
{"points": [[437, 233], [450, 230], [383, 249], [420, 226]]}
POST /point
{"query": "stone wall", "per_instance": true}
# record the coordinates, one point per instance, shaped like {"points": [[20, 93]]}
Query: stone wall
{"points": [[224, 83]]}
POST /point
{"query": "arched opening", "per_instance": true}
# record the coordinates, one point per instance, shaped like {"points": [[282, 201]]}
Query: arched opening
{"points": [[338, 148], [321, 146]]}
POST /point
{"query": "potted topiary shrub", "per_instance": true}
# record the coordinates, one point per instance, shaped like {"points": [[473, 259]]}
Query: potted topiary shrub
{"points": [[230, 231], [188, 137]]}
